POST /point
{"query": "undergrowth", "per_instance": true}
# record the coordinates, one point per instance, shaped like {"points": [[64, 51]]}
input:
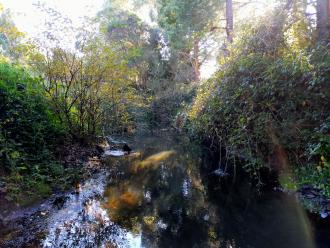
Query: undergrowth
{"points": [[29, 134]]}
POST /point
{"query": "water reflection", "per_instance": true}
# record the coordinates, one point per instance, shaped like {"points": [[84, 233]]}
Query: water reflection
{"points": [[157, 197], [163, 197], [160, 196], [152, 161], [83, 222]]}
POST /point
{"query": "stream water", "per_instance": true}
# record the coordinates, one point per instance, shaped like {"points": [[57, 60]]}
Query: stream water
{"points": [[158, 197]]}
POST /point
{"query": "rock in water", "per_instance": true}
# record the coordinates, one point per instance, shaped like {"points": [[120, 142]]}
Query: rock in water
{"points": [[114, 153], [126, 148]]}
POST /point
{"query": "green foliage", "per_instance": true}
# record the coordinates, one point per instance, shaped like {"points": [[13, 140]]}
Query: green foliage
{"points": [[269, 102], [29, 130], [317, 174], [318, 178]]}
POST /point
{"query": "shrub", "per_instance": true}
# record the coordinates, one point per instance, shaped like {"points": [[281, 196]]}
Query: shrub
{"points": [[29, 130], [268, 106]]}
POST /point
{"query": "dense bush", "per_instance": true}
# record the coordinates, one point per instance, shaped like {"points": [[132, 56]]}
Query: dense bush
{"points": [[29, 131], [269, 103]]}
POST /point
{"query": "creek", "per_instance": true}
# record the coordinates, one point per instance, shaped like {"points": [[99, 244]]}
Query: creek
{"points": [[160, 196]]}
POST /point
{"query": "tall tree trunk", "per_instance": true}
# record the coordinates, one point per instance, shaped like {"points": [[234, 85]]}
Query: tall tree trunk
{"points": [[195, 61], [229, 20], [323, 20]]}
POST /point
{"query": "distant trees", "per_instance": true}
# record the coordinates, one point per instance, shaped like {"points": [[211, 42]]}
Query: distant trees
{"points": [[320, 18], [11, 45], [131, 36], [186, 23]]}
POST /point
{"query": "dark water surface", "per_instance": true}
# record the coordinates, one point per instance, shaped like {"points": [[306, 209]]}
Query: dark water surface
{"points": [[157, 197]]}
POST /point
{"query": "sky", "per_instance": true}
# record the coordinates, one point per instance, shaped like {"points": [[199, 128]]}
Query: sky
{"points": [[29, 20]]}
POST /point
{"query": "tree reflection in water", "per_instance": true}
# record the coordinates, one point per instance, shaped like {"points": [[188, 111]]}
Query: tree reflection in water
{"points": [[162, 196], [165, 195]]}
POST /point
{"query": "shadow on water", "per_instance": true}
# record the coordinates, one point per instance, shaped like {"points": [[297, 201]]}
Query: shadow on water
{"points": [[157, 197]]}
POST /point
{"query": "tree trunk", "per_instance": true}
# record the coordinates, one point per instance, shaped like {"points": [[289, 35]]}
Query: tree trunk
{"points": [[323, 20], [195, 61], [229, 20]]}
